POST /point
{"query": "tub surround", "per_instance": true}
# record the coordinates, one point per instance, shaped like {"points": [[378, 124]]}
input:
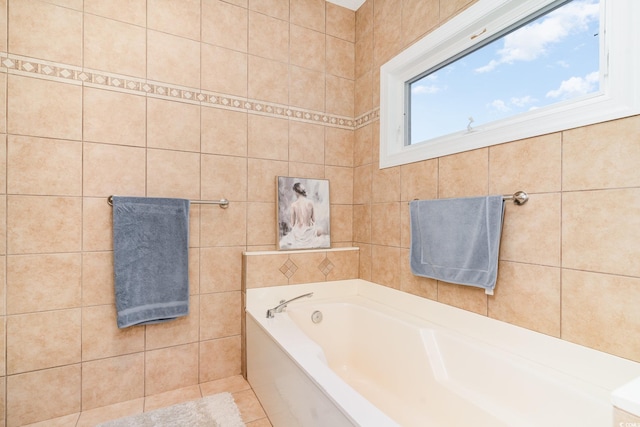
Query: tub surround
{"points": [[585, 375]]}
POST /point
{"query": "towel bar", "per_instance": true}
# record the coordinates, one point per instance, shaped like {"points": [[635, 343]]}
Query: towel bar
{"points": [[519, 197], [224, 203]]}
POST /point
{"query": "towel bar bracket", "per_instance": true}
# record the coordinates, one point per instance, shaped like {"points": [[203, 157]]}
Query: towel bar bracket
{"points": [[519, 198], [224, 203]]}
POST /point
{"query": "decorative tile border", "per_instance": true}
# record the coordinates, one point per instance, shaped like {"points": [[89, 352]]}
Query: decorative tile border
{"points": [[32, 67]]}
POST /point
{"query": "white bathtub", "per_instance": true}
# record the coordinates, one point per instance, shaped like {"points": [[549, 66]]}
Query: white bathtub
{"points": [[381, 357]]}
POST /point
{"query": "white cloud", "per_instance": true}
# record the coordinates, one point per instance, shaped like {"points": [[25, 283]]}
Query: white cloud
{"points": [[575, 86], [499, 105], [532, 41], [426, 89], [522, 101]]}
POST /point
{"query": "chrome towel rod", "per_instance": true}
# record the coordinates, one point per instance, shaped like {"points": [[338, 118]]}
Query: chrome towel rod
{"points": [[519, 197], [224, 203]]}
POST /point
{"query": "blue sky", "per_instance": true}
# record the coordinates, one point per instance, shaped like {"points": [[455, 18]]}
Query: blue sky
{"points": [[547, 61]]}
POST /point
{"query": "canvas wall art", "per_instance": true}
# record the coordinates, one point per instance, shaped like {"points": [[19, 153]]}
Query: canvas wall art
{"points": [[303, 213]]}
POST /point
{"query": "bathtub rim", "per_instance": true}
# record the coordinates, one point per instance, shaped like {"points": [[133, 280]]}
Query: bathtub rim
{"points": [[609, 373]]}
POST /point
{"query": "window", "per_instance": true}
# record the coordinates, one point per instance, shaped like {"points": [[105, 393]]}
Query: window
{"points": [[502, 71]]}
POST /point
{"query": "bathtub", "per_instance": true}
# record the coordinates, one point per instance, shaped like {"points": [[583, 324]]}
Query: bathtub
{"points": [[380, 357]]}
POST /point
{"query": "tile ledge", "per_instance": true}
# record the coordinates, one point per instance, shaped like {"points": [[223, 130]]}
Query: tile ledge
{"points": [[299, 251]]}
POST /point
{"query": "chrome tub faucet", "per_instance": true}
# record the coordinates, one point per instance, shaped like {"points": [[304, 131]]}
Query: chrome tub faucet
{"points": [[283, 304]]}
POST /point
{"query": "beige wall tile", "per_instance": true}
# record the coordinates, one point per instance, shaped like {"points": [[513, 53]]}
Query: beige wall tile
{"points": [[101, 336], [3, 102], [340, 58], [363, 97], [597, 231], [532, 165], [385, 224], [306, 88], [194, 271], [362, 223], [419, 181], [604, 155], [268, 137], [268, 37], [338, 147], [111, 169], [265, 270], [339, 96], [276, 8], [38, 224], [220, 269], [261, 221], [465, 297], [529, 296], [44, 166], [224, 25], [531, 232], [223, 132], [224, 70], [600, 311], [418, 18], [103, 414], [173, 59], [42, 395], [306, 170], [363, 146], [341, 224], [3, 26], [268, 80], [220, 358], [362, 184], [385, 266], [113, 117], [223, 227], [173, 174], [173, 125], [363, 56], [130, 11], [385, 184], [114, 46], [177, 18], [345, 265], [308, 13], [364, 19], [306, 142], [449, 8], [43, 340], [57, 115], [621, 417], [182, 330], [341, 22], [4, 225], [43, 282], [97, 225], [341, 184], [262, 179], [112, 380], [220, 315], [308, 267], [171, 368], [97, 278], [307, 48], [224, 177], [387, 18], [43, 30], [463, 174]]}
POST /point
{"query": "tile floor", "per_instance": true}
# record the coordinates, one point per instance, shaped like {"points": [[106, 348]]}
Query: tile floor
{"points": [[252, 413]]}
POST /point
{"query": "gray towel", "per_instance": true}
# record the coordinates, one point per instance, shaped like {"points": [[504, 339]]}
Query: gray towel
{"points": [[457, 240], [150, 252]]}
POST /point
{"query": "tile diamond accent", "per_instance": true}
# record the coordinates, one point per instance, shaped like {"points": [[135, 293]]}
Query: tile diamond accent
{"points": [[289, 268], [326, 266]]}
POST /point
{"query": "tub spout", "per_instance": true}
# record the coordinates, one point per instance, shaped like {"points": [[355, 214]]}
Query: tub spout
{"points": [[283, 304]]}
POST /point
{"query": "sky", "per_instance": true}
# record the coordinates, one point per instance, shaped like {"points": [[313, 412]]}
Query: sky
{"points": [[554, 58]]}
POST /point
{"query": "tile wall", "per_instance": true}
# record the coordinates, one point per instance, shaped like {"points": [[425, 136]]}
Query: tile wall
{"points": [[206, 99], [569, 261], [199, 99]]}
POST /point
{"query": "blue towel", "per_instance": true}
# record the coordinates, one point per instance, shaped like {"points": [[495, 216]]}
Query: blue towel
{"points": [[457, 240], [150, 252]]}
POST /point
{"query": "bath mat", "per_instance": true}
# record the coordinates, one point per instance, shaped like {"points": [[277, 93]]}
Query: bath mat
{"points": [[219, 410]]}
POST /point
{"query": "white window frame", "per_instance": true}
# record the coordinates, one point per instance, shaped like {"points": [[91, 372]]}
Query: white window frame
{"points": [[619, 94]]}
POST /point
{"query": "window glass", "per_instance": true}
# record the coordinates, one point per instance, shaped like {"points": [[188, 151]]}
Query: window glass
{"points": [[551, 59]]}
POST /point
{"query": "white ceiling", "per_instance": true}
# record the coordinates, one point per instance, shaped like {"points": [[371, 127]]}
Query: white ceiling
{"points": [[349, 4]]}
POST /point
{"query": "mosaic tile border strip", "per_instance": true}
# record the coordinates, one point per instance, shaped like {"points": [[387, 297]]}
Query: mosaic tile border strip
{"points": [[81, 76]]}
